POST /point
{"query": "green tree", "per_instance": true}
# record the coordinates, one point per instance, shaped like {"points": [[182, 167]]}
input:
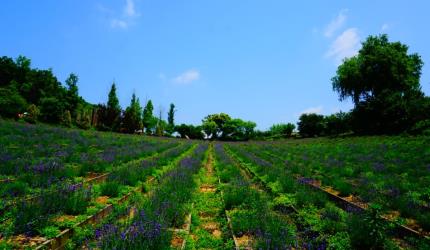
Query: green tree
{"points": [[383, 82], [83, 119], [72, 95], [51, 109], [149, 121], [338, 123], [66, 119], [132, 120], [171, 119], [113, 116], [311, 125], [238, 130], [11, 102], [213, 125], [190, 131], [281, 130]]}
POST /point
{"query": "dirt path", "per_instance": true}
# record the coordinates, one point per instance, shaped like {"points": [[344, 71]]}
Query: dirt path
{"points": [[208, 229]]}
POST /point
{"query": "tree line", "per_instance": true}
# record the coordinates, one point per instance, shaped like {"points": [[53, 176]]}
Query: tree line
{"points": [[382, 80]]}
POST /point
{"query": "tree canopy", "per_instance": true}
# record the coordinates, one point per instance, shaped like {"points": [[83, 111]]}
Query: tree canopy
{"points": [[383, 82]]}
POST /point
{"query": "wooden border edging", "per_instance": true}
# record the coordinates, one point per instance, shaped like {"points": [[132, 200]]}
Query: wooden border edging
{"points": [[401, 230], [60, 240]]}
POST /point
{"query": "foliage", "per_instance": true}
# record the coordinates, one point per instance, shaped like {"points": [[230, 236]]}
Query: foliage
{"points": [[66, 119], [83, 119], [190, 131], [311, 125], [383, 82], [213, 125], [110, 188], [11, 102], [339, 241], [51, 109], [72, 96], [148, 119], [132, 120], [337, 123], [222, 126], [281, 130], [171, 119], [32, 114], [112, 117]]}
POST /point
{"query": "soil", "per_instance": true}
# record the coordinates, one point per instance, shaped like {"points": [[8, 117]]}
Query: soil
{"points": [[217, 233], [64, 218], [205, 188], [206, 215], [23, 240], [211, 226], [177, 242], [244, 242], [102, 200]]}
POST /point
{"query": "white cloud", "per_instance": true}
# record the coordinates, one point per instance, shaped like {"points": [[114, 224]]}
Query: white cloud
{"points": [[118, 23], [312, 110], [385, 27], [121, 19], [336, 23], [129, 9], [187, 77], [344, 46]]}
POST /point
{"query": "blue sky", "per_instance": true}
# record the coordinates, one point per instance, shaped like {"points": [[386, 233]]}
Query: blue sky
{"points": [[265, 61]]}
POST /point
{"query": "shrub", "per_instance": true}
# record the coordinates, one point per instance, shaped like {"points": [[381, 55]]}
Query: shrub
{"points": [[110, 188], [33, 114]]}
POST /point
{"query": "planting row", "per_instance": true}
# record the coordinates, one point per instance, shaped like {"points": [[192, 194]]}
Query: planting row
{"points": [[254, 222], [393, 173], [52, 212], [166, 207], [35, 158], [209, 228], [330, 225]]}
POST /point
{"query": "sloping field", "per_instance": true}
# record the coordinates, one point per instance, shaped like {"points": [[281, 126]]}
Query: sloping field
{"points": [[64, 188]]}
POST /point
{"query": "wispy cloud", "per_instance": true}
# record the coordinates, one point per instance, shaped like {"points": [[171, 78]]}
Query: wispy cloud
{"points": [[118, 23], [129, 9], [121, 19], [336, 23], [385, 27], [187, 77], [312, 110], [344, 46]]}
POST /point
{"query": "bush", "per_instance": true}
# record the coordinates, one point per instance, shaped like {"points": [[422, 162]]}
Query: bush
{"points": [[368, 230], [11, 102], [66, 119], [13, 189], [110, 188], [33, 113], [339, 241]]}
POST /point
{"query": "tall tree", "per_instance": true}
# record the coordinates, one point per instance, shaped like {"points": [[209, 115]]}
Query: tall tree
{"points": [[383, 82], [133, 115], [171, 118], [113, 110], [149, 121], [72, 95]]}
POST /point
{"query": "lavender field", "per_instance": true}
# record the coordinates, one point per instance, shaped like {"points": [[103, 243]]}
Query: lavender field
{"points": [[73, 189]]}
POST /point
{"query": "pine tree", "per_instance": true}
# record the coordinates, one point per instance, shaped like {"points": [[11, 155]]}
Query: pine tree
{"points": [[113, 110]]}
